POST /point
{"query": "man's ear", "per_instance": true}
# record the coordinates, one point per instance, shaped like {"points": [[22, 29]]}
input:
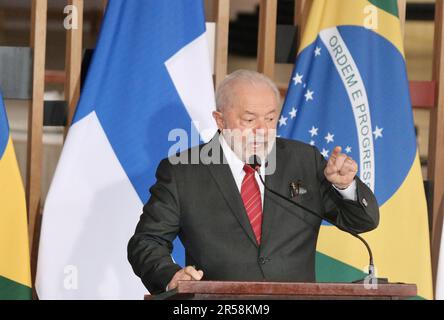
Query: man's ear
{"points": [[218, 117]]}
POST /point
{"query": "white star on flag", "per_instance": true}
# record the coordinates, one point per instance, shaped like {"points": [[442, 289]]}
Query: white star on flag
{"points": [[298, 79], [292, 113], [324, 153], [283, 121], [312, 143], [309, 95], [314, 131], [378, 132], [348, 149], [318, 51], [329, 137]]}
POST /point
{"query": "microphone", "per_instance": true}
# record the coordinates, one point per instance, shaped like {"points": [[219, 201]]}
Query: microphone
{"points": [[255, 163]]}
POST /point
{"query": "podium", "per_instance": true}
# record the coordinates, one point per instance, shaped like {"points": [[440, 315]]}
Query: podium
{"points": [[227, 290]]}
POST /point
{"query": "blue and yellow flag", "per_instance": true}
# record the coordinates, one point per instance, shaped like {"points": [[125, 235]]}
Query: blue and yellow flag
{"points": [[350, 88], [15, 274]]}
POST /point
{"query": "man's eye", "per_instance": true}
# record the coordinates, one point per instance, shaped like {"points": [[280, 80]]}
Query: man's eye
{"points": [[270, 119]]}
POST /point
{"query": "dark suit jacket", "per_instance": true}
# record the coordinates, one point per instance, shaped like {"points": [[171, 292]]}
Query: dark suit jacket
{"points": [[202, 205]]}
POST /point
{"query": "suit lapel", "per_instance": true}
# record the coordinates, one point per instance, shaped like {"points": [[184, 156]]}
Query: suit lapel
{"points": [[225, 181], [273, 181]]}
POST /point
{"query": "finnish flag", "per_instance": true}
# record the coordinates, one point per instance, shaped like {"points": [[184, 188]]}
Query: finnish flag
{"points": [[150, 74]]}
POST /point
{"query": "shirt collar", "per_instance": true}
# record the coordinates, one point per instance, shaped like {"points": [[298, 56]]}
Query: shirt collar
{"points": [[236, 164]]}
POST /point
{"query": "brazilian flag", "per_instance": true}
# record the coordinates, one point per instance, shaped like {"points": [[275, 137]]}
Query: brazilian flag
{"points": [[15, 274], [349, 88]]}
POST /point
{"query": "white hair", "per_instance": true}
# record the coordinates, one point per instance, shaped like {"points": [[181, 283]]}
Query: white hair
{"points": [[224, 92]]}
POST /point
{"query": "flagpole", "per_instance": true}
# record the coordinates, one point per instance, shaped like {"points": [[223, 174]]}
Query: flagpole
{"points": [[73, 60], [267, 37], [436, 138], [35, 122], [301, 11], [221, 50], [402, 5]]}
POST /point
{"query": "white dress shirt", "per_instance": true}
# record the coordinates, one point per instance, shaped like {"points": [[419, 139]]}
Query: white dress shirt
{"points": [[237, 169]]}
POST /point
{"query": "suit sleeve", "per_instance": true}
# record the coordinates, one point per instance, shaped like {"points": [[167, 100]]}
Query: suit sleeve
{"points": [[150, 248], [355, 216]]}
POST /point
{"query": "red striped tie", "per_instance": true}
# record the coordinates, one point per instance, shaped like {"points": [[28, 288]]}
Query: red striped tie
{"points": [[251, 196]]}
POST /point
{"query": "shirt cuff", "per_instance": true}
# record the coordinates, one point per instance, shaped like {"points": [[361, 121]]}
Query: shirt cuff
{"points": [[348, 193]]}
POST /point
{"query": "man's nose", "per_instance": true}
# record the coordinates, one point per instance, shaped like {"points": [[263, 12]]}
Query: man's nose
{"points": [[260, 128]]}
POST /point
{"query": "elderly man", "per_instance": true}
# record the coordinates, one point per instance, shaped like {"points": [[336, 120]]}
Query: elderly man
{"points": [[231, 228]]}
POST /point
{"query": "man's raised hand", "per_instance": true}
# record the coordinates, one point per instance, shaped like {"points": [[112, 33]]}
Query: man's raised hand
{"points": [[341, 169]]}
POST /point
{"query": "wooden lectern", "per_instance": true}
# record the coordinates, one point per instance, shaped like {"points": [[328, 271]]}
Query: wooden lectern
{"points": [[222, 290]]}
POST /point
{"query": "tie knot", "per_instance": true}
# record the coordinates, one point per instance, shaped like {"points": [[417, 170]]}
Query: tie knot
{"points": [[248, 170]]}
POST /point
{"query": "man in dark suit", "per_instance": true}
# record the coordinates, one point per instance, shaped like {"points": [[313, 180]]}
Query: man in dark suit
{"points": [[231, 228]]}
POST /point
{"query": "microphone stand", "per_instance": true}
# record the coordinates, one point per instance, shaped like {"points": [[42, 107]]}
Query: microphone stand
{"points": [[371, 277]]}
